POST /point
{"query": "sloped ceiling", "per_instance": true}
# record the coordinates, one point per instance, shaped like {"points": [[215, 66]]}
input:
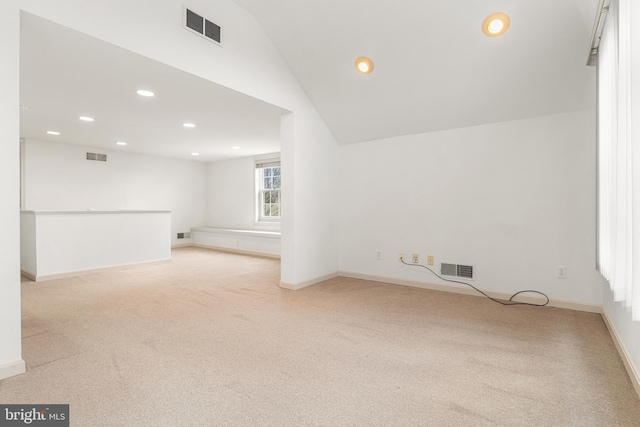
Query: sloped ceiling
{"points": [[434, 68], [65, 74]]}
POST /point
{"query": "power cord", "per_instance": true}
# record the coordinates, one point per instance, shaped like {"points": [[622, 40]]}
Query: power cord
{"points": [[510, 302]]}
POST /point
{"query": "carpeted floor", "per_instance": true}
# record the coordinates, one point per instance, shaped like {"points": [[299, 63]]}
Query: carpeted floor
{"points": [[210, 340]]}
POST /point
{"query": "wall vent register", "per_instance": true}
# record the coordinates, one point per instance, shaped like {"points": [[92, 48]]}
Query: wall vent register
{"points": [[456, 270], [97, 157], [202, 26]]}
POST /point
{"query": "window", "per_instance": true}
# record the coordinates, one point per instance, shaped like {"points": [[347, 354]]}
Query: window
{"points": [[618, 216], [268, 178]]}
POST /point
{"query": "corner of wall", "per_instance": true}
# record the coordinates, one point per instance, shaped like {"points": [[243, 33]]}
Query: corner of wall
{"points": [[12, 369], [300, 285]]}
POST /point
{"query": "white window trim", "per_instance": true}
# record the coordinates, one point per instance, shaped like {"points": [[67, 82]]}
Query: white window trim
{"points": [[259, 219]]}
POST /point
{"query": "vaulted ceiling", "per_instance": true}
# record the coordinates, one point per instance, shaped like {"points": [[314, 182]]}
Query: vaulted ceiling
{"points": [[434, 68]]}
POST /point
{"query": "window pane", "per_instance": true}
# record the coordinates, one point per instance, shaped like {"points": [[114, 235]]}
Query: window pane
{"points": [[269, 192]]}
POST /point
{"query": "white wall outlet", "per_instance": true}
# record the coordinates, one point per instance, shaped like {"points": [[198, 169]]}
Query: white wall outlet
{"points": [[415, 258], [562, 272], [401, 258], [378, 255]]}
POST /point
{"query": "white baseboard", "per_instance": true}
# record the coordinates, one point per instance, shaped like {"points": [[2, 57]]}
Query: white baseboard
{"points": [[235, 251], [558, 303], [12, 369], [181, 245], [571, 305], [67, 274], [296, 286], [624, 355]]}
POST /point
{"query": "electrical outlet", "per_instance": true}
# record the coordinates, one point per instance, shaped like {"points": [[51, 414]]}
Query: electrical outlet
{"points": [[430, 260], [562, 272], [415, 258], [401, 257], [379, 255]]}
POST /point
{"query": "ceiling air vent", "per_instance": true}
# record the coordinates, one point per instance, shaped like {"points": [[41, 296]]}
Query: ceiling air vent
{"points": [[97, 157], [200, 25], [456, 270]]}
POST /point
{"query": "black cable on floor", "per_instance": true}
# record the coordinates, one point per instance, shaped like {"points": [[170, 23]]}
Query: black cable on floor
{"points": [[510, 302]]}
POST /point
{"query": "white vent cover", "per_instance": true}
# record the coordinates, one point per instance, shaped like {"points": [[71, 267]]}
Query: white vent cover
{"points": [[97, 157], [456, 270], [203, 27]]}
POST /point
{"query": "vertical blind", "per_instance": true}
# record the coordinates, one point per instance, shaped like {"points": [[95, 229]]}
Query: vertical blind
{"points": [[618, 221]]}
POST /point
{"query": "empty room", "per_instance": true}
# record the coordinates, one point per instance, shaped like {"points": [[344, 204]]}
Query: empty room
{"points": [[249, 212]]}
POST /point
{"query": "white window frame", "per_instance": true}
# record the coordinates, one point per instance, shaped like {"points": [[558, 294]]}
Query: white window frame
{"points": [[262, 164]]}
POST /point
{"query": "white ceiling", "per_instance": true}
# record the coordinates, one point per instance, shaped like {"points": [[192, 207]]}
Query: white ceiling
{"points": [[434, 68], [65, 74]]}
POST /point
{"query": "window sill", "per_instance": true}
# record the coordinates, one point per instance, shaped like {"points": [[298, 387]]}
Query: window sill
{"points": [[267, 225]]}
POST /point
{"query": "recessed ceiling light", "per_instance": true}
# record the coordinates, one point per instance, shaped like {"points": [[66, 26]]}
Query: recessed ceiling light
{"points": [[364, 65], [53, 132], [143, 92], [195, 154], [235, 147], [121, 143], [496, 24], [86, 119], [189, 125]]}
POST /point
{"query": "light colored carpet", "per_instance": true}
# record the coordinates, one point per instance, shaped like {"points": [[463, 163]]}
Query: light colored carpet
{"points": [[210, 340]]}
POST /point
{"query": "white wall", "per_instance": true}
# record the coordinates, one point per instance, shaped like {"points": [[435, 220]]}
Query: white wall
{"points": [[231, 199], [57, 244], [514, 199], [309, 154], [154, 29], [10, 348], [57, 176], [309, 172], [250, 64]]}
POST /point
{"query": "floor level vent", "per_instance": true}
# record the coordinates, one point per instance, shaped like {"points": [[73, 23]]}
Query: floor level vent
{"points": [[201, 26], [456, 270], [97, 157]]}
